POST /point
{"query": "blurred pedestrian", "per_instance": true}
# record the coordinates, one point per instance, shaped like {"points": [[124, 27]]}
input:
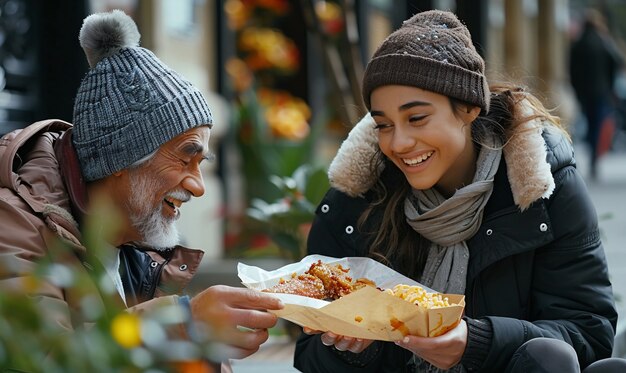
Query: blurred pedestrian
{"points": [[593, 65]]}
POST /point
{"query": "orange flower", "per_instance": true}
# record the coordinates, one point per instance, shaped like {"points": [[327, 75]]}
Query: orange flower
{"points": [[329, 14], [278, 6], [287, 122], [239, 73], [268, 48], [237, 13], [193, 366]]}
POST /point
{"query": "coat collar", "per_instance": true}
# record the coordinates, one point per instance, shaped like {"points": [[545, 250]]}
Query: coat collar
{"points": [[525, 154], [72, 177]]}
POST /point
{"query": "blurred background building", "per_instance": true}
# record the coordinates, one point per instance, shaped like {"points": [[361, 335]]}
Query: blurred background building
{"points": [[282, 77], [283, 80]]}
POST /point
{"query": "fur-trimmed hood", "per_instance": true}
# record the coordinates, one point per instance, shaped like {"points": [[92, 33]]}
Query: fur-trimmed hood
{"points": [[525, 155]]}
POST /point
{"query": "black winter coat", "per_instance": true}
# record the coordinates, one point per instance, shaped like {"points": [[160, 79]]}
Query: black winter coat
{"points": [[537, 273]]}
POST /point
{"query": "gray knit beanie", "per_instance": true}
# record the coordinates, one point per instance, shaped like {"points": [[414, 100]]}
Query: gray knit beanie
{"points": [[432, 50], [129, 103]]}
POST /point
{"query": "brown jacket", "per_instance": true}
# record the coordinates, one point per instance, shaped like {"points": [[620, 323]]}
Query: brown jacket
{"points": [[42, 198]]}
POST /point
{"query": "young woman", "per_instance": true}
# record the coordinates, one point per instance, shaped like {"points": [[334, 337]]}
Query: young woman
{"points": [[471, 190]]}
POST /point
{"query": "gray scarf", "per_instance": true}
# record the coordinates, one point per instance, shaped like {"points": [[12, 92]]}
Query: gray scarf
{"points": [[448, 223]]}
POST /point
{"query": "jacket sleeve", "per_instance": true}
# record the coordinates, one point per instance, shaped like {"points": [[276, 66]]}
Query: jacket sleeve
{"points": [[23, 245], [571, 295], [335, 233], [181, 330]]}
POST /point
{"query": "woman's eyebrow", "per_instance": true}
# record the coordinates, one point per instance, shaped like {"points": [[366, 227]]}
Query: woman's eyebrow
{"points": [[402, 107], [411, 104]]}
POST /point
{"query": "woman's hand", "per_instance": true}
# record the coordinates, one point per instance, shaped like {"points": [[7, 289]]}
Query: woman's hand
{"points": [[444, 351], [341, 343]]}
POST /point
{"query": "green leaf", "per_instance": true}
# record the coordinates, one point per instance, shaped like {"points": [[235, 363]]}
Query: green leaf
{"points": [[317, 185]]}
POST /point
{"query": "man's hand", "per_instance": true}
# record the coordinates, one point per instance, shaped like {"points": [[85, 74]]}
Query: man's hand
{"points": [[444, 351], [227, 311], [341, 343]]}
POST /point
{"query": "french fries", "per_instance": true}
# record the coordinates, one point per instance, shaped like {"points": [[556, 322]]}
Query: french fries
{"points": [[418, 296]]}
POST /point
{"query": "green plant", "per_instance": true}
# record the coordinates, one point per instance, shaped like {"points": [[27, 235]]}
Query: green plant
{"points": [[263, 153], [103, 336], [287, 219]]}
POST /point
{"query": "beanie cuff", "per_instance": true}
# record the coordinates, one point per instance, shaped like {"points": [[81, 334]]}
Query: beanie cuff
{"points": [[431, 75], [145, 136]]}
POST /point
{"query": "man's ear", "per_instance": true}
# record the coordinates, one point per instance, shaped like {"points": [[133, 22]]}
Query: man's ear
{"points": [[470, 114], [114, 181]]}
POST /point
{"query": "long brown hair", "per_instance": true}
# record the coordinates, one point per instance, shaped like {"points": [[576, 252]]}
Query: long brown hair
{"points": [[391, 240]]}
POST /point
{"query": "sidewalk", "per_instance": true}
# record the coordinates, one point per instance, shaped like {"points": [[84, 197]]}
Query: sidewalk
{"points": [[608, 193], [274, 356]]}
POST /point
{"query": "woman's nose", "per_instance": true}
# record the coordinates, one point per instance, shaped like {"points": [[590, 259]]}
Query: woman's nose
{"points": [[402, 140]]}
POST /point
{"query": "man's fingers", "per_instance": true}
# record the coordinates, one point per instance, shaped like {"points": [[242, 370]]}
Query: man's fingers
{"points": [[253, 299], [223, 351], [252, 319], [248, 340]]}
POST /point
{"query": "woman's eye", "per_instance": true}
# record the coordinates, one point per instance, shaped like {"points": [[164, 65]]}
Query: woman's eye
{"points": [[380, 126], [416, 118]]}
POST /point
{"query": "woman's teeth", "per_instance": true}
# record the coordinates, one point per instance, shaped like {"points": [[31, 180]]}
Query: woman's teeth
{"points": [[417, 160]]}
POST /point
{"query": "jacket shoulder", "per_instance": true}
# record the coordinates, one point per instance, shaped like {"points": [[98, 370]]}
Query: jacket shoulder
{"points": [[12, 144], [560, 152]]}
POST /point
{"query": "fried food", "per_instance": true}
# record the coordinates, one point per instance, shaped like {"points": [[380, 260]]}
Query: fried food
{"points": [[305, 285], [335, 278], [362, 282], [418, 296], [321, 281]]}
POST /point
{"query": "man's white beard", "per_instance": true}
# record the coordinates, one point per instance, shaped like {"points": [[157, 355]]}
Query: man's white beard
{"points": [[156, 231]]}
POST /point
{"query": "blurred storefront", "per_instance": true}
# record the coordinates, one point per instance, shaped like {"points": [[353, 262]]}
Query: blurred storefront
{"points": [[41, 64], [291, 66]]}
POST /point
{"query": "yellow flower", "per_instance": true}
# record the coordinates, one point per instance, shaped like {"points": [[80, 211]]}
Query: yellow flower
{"points": [[30, 284], [126, 330]]}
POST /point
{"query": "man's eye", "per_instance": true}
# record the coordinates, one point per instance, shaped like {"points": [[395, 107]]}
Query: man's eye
{"points": [[209, 158]]}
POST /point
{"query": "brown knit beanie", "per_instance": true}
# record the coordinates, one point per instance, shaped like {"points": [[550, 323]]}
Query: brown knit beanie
{"points": [[432, 50]]}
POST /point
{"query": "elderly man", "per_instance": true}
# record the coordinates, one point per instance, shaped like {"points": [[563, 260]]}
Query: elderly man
{"points": [[139, 135]]}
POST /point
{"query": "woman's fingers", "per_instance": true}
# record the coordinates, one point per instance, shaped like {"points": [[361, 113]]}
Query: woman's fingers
{"points": [[349, 344], [342, 343], [328, 338], [310, 331]]}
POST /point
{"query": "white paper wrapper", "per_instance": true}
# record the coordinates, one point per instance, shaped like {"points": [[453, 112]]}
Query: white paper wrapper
{"points": [[366, 313]]}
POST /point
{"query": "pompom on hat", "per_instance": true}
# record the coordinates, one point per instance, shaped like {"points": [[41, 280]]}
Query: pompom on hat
{"points": [[432, 50], [129, 103]]}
